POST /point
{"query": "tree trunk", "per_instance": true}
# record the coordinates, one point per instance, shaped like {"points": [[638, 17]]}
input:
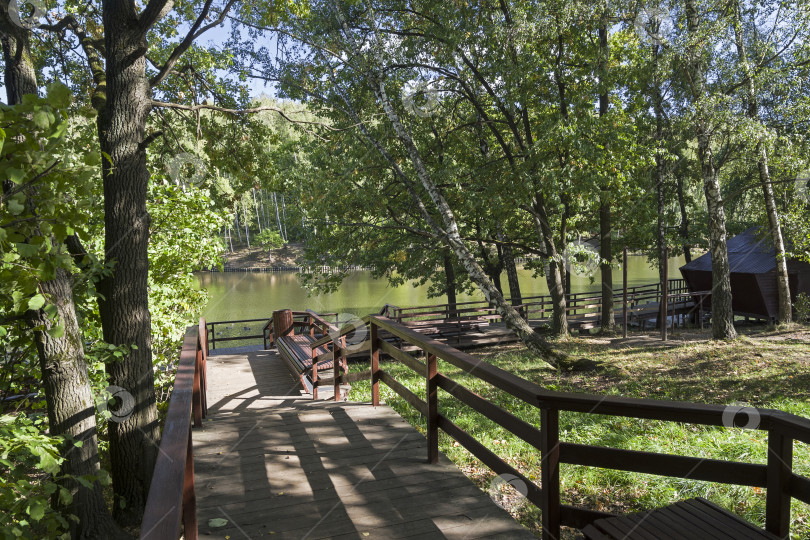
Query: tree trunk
{"points": [[65, 380], [660, 232], [683, 230], [246, 222], [554, 271], [124, 308], [785, 315], [450, 283], [722, 311], [284, 217], [511, 274], [20, 74], [71, 408], [256, 207], [608, 317]]}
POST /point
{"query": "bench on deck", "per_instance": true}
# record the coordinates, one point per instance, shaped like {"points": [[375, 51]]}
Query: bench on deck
{"points": [[693, 518], [448, 327], [309, 353]]}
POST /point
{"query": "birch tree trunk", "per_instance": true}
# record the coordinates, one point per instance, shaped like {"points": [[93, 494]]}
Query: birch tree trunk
{"points": [[785, 315], [448, 230], [451, 236]]}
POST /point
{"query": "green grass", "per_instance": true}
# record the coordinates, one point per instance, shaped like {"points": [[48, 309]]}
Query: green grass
{"points": [[765, 369]]}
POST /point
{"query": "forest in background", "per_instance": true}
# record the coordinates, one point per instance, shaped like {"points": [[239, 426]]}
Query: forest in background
{"points": [[436, 142]]}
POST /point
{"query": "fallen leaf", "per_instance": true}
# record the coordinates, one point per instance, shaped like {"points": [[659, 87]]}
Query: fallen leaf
{"points": [[217, 522]]}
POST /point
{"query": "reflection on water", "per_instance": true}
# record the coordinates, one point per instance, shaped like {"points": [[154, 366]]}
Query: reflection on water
{"points": [[246, 295]]}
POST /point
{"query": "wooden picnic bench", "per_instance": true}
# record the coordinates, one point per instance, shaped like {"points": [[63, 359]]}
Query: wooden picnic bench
{"points": [[693, 518], [310, 352], [448, 327]]}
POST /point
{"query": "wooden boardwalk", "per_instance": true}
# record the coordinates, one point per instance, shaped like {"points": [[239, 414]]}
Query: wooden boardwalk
{"points": [[275, 464]]}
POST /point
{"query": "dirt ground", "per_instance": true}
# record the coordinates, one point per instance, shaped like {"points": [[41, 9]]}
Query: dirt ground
{"points": [[287, 256]]}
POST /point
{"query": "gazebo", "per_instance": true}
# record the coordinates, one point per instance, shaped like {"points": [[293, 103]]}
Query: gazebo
{"points": [[753, 274]]}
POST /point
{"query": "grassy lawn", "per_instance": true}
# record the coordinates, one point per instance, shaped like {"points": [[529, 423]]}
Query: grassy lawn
{"points": [[762, 368]]}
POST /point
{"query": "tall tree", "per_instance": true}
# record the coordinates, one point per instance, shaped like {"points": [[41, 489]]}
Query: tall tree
{"points": [[52, 312], [722, 311], [608, 318], [752, 110]]}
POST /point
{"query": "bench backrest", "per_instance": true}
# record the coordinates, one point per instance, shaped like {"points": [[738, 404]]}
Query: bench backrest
{"points": [[282, 323]]}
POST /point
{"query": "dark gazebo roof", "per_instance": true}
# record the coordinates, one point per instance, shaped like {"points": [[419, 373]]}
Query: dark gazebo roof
{"points": [[750, 252]]}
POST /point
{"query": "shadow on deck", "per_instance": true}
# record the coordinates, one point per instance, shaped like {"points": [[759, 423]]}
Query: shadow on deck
{"points": [[274, 463]]}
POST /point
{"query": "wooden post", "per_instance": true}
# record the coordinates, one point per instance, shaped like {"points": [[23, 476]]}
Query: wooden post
{"points": [[433, 409], [777, 498], [336, 365], [550, 473], [189, 497], [624, 295], [664, 292], [375, 365], [315, 372], [197, 400]]}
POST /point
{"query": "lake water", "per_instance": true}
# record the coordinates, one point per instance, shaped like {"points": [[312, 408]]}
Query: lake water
{"points": [[247, 295]]}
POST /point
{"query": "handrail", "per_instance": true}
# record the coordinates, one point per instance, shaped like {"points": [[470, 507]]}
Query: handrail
{"points": [[172, 498], [777, 476]]}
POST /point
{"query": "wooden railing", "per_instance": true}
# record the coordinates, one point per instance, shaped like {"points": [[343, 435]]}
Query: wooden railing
{"points": [[172, 500], [777, 476], [212, 331], [538, 307]]}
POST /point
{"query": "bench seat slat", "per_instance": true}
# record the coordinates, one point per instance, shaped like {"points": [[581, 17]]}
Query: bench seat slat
{"points": [[684, 520], [296, 350], [708, 524]]}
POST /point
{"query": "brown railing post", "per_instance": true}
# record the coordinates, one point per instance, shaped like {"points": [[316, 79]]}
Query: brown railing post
{"points": [[375, 364], [550, 472], [432, 409], [624, 294], [336, 362], [189, 496], [197, 400], [777, 498], [315, 372], [664, 286], [204, 373]]}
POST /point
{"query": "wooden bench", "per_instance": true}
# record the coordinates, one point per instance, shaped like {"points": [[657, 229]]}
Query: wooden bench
{"points": [[693, 518], [447, 327], [309, 353]]}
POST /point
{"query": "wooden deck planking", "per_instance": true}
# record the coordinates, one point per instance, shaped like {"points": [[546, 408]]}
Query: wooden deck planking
{"points": [[275, 464]]}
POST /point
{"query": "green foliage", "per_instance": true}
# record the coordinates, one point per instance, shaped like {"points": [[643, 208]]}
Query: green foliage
{"points": [[269, 238], [49, 200], [30, 494], [184, 238]]}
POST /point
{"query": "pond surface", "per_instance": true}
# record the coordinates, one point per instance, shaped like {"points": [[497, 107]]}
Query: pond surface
{"points": [[247, 295]]}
